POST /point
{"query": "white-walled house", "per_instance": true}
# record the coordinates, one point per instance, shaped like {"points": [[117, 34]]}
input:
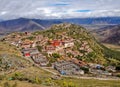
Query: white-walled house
{"points": [[68, 44]]}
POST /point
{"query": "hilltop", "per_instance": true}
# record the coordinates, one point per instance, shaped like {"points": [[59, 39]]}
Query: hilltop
{"points": [[83, 45], [86, 47]]}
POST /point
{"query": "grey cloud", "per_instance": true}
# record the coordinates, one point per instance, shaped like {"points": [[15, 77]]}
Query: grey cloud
{"points": [[10, 9]]}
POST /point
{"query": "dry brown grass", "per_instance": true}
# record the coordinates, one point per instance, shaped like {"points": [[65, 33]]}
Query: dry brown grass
{"points": [[21, 84], [9, 49]]}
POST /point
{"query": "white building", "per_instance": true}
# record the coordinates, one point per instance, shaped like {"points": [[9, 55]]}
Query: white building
{"points": [[69, 44]]}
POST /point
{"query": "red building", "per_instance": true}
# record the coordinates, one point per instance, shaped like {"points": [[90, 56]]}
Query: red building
{"points": [[27, 54], [56, 43]]}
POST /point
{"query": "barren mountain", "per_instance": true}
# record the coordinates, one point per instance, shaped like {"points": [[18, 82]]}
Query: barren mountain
{"points": [[110, 34], [23, 24]]}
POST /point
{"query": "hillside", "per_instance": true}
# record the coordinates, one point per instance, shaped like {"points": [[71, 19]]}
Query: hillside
{"points": [[92, 51], [113, 37], [11, 59], [60, 42], [75, 42], [17, 71], [109, 34]]}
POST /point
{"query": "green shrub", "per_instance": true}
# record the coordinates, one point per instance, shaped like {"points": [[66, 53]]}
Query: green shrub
{"points": [[39, 48], [37, 80], [48, 82], [86, 70], [71, 84], [55, 55], [65, 83], [118, 75], [118, 68]]}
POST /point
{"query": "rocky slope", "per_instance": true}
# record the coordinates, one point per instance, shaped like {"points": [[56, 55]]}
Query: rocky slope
{"points": [[110, 34]]}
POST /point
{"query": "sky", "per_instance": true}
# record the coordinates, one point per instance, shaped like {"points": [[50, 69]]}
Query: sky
{"points": [[57, 9]]}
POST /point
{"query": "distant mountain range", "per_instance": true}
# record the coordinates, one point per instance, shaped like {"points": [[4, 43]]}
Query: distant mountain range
{"points": [[24, 24], [109, 34], [94, 21]]}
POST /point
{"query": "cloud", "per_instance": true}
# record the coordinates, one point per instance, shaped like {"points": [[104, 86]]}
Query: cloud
{"points": [[58, 4], [45, 9], [3, 12]]}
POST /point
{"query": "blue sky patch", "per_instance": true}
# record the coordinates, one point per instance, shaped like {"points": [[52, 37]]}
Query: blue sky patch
{"points": [[82, 10]]}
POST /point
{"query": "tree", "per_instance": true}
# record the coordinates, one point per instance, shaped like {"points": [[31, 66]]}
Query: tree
{"points": [[86, 70], [55, 55], [70, 54], [118, 68], [39, 48]]}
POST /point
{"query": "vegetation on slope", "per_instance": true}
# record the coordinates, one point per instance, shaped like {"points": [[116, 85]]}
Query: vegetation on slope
{"points": [[112, 56], [79, 34]]}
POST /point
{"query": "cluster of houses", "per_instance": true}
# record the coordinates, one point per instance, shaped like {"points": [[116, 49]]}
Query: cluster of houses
{"points": [[28, 47], [98, 69], [85, 47], [35, 55], [63, 47], [68, 68], [75, 67], [58, 45]]}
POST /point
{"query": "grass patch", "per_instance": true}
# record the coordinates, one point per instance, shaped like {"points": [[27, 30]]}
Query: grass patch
{"points": [[87, 83]]}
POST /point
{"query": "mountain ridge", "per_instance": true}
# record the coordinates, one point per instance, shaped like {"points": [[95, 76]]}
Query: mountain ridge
{"points": [[21, 24], [109, 34], [24, 24]]}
